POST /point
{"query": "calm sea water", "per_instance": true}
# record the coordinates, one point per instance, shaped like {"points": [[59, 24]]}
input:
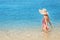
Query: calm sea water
{"points": [[24, 13]]}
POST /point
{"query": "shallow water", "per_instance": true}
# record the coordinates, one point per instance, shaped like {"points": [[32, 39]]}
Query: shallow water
{"points": [[30, 34]]}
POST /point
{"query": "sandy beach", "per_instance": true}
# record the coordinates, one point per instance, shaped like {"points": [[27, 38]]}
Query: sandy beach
{"points": [[30, 34]]}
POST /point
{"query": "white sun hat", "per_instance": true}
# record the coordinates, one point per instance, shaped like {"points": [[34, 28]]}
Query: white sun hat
{"points": [[43, 11]]}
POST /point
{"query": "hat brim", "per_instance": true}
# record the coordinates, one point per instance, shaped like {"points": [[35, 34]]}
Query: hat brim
{"points": [[43, 11]]}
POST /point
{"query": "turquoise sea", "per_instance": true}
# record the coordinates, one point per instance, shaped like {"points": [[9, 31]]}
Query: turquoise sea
{"points": [[16, 14]]}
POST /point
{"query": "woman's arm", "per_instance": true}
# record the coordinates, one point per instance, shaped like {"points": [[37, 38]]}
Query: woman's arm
{"points": [[51, 24]]}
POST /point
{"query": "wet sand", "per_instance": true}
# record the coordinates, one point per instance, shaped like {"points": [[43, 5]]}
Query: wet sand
{"points": [[30, 34]]}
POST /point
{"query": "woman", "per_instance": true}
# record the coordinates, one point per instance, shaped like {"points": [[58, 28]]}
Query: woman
{"points": [[45, 21]]}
